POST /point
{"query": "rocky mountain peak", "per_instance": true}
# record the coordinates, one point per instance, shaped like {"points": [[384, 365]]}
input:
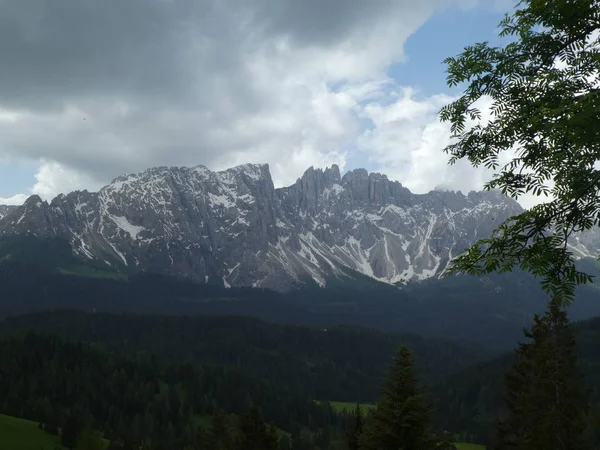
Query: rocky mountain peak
{"points": [[34, 200], [376, 188], [233, 228], [308, 189]]}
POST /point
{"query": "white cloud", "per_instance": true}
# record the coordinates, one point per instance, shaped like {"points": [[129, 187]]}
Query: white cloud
{"points": [[406, 141], [221, 83], [252, 84], [53, 178], [17, 199]]}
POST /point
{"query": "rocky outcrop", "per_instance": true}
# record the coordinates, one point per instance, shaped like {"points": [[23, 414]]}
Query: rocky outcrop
{"points": [[5, 209], [235, 229]]}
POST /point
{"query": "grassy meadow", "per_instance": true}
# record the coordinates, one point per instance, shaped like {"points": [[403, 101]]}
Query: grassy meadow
{"points": [[20, 434]]}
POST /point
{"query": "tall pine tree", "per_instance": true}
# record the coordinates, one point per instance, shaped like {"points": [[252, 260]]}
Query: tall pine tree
{"points": [[254, 433], [72, 428], [546, 404], [402, 419], [356, 429]]}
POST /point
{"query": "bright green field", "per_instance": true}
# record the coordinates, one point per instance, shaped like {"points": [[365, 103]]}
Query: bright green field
{"points": [[349, 406], [204, 423], [469, 447], [20, 434]]}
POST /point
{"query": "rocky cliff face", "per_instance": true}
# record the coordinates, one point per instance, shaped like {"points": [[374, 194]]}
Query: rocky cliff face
{"points": [[5, 209], [234, 228]]}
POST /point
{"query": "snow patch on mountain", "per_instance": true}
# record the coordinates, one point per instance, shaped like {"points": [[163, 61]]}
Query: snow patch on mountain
{"points": [[126, 226], [234, 228]]}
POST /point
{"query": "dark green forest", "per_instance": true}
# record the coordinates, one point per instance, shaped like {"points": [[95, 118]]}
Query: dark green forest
{"points": [[114, 369], [341, 363], [133, 401], [87, 391], [472, 399]]}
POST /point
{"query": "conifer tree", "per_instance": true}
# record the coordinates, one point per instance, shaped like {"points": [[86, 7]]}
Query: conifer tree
{"points": [[71, 430], [254, 434], [356, 429], [90, 440], [546, 405], [402, 418], [221, 435]]}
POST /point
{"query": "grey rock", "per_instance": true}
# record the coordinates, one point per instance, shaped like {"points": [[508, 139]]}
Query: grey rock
{"points": [[5, 210], [234, 228]]}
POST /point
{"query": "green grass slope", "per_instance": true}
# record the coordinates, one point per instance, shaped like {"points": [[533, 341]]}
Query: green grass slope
{"points": [[348, 407], [20, 434]]}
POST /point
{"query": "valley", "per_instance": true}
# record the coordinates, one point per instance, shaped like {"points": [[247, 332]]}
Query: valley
{"points": [[286, 225], [119, 292]]}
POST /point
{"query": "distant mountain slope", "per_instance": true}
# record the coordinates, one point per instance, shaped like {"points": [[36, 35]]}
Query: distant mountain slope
{"points": [[490, 311], [233, 228]]}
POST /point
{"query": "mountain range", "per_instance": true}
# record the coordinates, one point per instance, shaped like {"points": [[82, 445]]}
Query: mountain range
{"points": [[234, 228], [328, 250]]}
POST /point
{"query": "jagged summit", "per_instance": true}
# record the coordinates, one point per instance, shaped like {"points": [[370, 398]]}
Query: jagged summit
{"points": [[234, 228]]}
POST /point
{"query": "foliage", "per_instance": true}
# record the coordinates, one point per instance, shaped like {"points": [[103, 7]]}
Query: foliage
{"points": [[353, 435], [546, 406], [222, 433], [90, 440], [402, 418], [142, 400], [470, 402], [344, 363], [72, 428], [546, 107], [254, 433], [165, 397]]}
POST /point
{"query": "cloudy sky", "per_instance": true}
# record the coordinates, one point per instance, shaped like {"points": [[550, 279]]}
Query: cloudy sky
{"points": [[91, 89]]}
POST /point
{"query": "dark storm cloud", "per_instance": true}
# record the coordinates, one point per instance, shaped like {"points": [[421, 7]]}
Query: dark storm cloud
{"points": [[111, 86], [325, 22], [55, 50]]}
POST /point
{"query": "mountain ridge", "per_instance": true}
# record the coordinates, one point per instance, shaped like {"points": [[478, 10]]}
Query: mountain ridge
{"points": [[234, 228]]}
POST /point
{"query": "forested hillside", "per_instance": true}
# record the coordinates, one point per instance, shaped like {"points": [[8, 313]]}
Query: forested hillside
{"points": [[112, 365], [341, 363], [471, 400], [56, 382], [489, 311]]}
